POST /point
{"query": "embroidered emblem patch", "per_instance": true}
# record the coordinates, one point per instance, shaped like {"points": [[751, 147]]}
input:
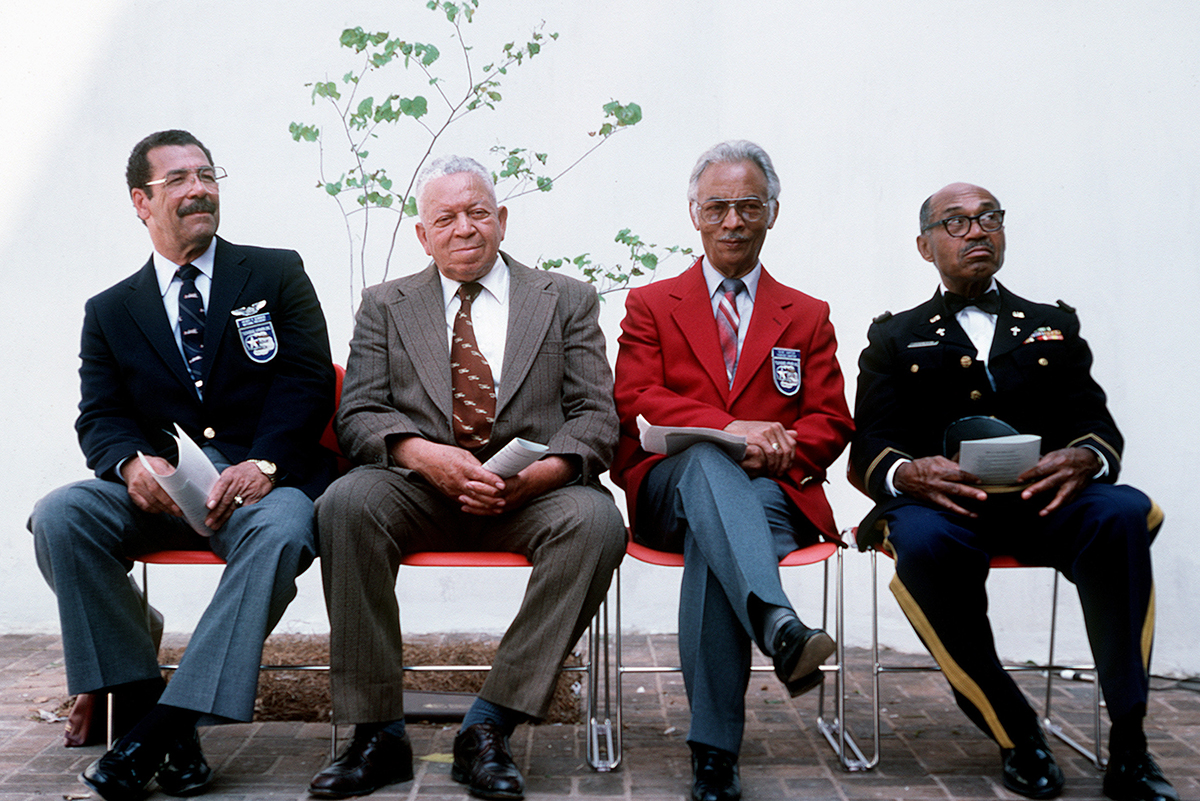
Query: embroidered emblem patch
{"points": [[785, 370], [1044, 334], [258, 337]]}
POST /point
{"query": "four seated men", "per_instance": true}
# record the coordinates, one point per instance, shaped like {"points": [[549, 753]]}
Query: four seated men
{"points": [[450, 364]]}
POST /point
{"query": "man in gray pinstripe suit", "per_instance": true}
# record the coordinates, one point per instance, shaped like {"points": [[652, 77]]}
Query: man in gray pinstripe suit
{"points": [[533, 347]]}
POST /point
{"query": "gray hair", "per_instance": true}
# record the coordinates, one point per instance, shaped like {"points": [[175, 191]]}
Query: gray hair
{"points": [[733, 151], [451, 165]]}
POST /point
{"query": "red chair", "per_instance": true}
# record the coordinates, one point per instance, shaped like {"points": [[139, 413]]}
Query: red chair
{"points": [[835, 733], [1049, 668]]}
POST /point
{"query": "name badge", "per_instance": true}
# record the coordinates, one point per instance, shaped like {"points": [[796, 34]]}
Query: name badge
{"points": [[785, 370], [257, 333]]}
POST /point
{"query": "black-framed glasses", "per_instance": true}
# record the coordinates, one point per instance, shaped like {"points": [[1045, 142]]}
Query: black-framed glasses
{"points": [[176, 180], [959, 225], [750, 209]]}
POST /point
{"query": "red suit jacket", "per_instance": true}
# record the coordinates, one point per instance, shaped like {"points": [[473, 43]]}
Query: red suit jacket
{"points": [[670, 371]]}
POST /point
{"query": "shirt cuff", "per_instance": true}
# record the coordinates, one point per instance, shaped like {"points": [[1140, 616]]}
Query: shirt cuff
{"points": [[888, 480], [1103, 471]]}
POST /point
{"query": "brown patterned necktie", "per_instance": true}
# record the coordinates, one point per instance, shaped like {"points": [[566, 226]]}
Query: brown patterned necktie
{"points": [[471, 378]]}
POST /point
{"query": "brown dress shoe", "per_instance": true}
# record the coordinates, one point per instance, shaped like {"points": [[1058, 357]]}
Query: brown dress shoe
{"points": [[370, 761], [483, 762]]}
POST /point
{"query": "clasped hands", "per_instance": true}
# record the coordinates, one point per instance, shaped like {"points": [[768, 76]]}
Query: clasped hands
{"points": [[456, 473], [770, 448], [240, 481], [938, 480]]}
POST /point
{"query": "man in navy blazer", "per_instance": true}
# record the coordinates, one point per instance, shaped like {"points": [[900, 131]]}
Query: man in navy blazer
{"points": [[229, 343]]}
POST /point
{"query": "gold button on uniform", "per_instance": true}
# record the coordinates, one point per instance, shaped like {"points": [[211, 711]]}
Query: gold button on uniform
{"points": [[914, 368], [1043, 361], [965, 361], [976, 394], [209, 433]]}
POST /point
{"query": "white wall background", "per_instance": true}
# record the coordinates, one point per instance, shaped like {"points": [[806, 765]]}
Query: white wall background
{"points": [[1080, 116]]}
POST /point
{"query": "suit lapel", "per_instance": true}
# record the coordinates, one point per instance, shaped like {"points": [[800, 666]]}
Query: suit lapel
{"points": [[767, 324], [420, 318], [531, 304], [694, 315], [1016, 321], [145, 306], [935, 324], [229, 278]]}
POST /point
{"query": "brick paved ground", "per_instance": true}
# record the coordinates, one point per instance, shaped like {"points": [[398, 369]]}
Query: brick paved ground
{"points": [[930, 751]]}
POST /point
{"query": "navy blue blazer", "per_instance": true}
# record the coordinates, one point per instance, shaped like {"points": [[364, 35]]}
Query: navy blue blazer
{"points": [[273, 406], [918, 374]]}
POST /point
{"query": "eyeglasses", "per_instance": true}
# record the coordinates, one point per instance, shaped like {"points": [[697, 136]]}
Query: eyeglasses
{"points": [[750, 209], [958, 226], [176, 180]]}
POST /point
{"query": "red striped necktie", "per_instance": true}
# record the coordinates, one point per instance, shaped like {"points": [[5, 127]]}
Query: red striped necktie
{"points": [[727, 324]]}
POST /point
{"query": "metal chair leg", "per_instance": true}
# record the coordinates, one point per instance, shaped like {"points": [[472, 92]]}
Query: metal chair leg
{"points": [[836, 732]]}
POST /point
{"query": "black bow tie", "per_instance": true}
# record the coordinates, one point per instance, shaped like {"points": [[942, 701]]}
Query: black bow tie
{"points": [[988, 302]]}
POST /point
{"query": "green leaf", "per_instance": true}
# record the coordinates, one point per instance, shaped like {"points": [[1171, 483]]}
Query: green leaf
{"points": [[410, 207], [309, 133], [326, 89], [545, 184], [334, 188], [649, 261], [415, 108]]}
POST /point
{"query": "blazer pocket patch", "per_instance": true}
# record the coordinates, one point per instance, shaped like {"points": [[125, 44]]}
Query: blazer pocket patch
{"points": [[257, 334], [785, 370]]}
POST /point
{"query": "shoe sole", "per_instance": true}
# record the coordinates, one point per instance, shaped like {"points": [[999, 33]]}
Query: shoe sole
{"points": [[818, 648], [323, 793], [1052, 792], [462, 777]]}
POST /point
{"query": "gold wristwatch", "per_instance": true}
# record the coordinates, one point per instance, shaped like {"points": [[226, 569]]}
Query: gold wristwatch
{"points": [[268, 469]]}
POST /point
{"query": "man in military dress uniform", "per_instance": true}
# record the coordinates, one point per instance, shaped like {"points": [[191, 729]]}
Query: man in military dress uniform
{"points": [[976, 349]]}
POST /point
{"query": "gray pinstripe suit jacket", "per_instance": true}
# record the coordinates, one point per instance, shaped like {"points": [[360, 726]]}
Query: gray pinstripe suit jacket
{"points": [[556, 386]]}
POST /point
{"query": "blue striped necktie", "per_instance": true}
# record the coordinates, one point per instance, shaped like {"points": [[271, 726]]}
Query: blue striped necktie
{"points": [[191, 323]]}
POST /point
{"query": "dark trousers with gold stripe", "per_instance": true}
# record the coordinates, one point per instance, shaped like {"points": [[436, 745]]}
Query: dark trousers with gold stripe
{"points": [[1100, 542]]}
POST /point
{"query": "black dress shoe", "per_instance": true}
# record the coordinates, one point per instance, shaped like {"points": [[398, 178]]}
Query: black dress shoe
{"points": [[371, 761], [1136, 777], [799, 653], [123, 773], [1029, 768], [185, 772], [483, 762], [714, 774]]}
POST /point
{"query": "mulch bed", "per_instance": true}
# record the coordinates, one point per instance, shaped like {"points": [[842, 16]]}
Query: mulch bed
{"points": [[304, 695]]}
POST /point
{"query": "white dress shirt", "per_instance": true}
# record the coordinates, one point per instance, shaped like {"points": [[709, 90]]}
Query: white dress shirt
{"points": [[745, 300], [489, 315]]}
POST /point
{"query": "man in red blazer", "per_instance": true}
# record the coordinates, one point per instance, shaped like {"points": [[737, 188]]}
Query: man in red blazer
{"points": [[726, 346]]}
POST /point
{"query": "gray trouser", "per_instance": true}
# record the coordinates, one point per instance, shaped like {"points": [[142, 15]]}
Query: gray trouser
{"points": [[85, 535], [734, 530]]}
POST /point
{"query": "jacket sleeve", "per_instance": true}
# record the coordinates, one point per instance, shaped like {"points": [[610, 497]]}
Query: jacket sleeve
{"points": [[107, 425], [880, 431]]}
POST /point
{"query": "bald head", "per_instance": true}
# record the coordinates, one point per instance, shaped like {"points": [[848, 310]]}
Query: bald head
{"points": [[927, 217], [968, 260]]}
